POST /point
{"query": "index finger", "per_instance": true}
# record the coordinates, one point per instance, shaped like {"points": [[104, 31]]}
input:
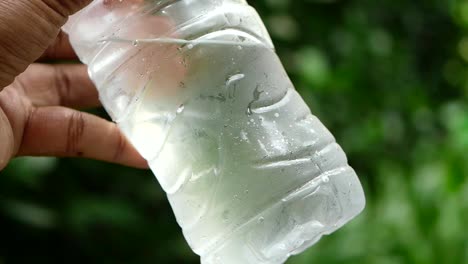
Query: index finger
{"points": [[64, 132], [61, 49]]}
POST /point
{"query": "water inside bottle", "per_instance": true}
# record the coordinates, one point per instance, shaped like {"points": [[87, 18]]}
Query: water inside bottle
{"points": [[251, 174]]}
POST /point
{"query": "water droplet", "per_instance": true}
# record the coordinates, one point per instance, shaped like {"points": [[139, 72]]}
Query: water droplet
{"points": [[325, 179], [234, 78], [136, 42], [244, 135], [180, 109], [236, 196], [277, 114], [239, 47], [261, 219], [225, 215], [246, 191], [190, 46]]}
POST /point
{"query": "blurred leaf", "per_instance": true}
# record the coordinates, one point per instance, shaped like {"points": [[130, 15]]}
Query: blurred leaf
{"points": [[84, 213], [31, 170], [30, 214], [314, 66]]}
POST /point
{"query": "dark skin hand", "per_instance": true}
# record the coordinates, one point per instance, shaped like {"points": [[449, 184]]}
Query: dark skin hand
{"points": [[38, 102]]}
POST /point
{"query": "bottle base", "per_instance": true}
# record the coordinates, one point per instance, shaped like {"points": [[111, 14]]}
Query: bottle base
{"points": [[295, 223]]}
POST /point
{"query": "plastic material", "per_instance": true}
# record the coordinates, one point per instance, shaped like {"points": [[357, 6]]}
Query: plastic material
{"points": [[251, 174]]}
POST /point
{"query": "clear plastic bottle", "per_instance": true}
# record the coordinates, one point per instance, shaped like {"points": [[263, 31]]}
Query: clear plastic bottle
{"points": [[196, 86]]}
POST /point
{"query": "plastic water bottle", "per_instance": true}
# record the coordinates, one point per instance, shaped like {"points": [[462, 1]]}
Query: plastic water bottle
{"points": [[251, 174]]}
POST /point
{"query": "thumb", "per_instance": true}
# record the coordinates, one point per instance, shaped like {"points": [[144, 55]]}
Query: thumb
{"points": [[27, 28]]}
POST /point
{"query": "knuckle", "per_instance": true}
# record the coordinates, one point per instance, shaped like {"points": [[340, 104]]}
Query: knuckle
{"points": [[62, 84], [75, 132], [120, 146], [66, 8]]}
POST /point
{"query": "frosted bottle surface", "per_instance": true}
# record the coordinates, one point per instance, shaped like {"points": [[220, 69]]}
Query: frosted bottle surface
{"points": [[251, 174]]}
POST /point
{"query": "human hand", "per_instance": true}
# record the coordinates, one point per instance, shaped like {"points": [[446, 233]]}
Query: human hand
{"points": [[37, 100]]}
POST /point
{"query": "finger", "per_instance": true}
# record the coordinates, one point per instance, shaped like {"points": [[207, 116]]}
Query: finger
{"points": [[61, 49], [63, 132], [6, 137], [66, 85], [27, 28]]}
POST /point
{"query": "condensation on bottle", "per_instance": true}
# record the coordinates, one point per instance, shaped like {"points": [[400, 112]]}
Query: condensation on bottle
{"points": [[196, 86]]}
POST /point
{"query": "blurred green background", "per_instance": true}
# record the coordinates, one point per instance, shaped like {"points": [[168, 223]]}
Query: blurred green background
{"points": [[389, 78]]}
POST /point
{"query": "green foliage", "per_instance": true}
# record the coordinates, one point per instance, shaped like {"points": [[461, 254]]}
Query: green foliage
{"points": [[388, 78]]}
